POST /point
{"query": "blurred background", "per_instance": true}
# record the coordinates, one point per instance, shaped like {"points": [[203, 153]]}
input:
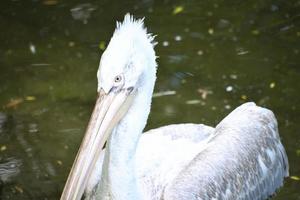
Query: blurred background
{"points": [[213, 56]]}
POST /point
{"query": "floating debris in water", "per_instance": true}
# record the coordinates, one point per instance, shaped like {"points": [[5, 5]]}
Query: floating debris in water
{"points": [[71, 44], [102, 45], [32, 48], [50, 169], [169, 110], [3, 148], [59, 162], [200, 52], [165, 43], [227, 107], [204, 92], [177, 10], [229, 88], [255, 32], [242, 52], [82, 12], [177, 58], [272, 85], [223, 23], [210, 13], [274, 8], [286, 28], [197, 35], [40, 111], [164, 93], [263, 100], [298, 152], [211, 31], [19, 189], [178, 38], [193, 101], [30, 98], [213, 108], [33, 128], [233, 76], [13, 103], [69, 130], [244, 97], [295, 178], [234, 38]]}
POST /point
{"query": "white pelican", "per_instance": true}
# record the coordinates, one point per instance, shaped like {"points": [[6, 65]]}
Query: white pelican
{"points": [[241, 158]]}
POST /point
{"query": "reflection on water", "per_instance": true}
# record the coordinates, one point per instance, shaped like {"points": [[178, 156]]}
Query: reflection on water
{"points": [[82, 12], [213, 56], [8, 169]]}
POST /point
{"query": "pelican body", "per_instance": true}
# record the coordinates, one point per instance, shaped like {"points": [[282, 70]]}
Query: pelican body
{"points": [[241, 158]]}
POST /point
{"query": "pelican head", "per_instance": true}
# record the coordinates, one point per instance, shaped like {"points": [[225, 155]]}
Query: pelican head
{"points": [[128, 58], [127, 72]]}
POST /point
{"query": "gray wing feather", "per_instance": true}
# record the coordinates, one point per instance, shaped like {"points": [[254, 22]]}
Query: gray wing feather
{"points": [[245, 160]]}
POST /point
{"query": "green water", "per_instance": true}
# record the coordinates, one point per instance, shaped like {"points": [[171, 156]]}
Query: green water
{"points": [[213, 56]]}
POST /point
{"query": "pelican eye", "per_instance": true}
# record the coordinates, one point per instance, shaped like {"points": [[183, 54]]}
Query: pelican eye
{"points": [[118, 79]]}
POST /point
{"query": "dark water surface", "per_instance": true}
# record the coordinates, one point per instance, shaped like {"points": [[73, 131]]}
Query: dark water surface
{"points": [[214, 55]]}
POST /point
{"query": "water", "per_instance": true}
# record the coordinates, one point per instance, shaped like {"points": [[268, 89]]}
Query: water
{"points": [[214, 55]]}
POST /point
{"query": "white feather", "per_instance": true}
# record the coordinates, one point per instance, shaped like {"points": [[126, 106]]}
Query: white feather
{"points": [[242, 158]]}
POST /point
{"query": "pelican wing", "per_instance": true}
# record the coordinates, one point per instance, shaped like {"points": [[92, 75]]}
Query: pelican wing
{"points": [[163, 152], [244, 160]]}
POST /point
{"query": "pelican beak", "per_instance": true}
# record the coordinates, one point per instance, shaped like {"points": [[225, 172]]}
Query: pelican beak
{"points": [[108, 111]]}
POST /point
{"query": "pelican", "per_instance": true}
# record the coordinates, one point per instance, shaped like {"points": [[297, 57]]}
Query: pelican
{"points": [[241, 158]]}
